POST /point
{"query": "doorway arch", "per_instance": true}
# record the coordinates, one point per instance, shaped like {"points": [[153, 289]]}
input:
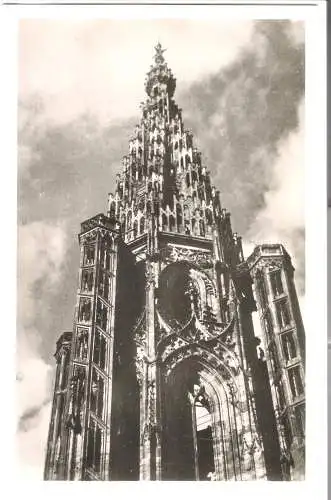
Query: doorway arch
{"points": [[203, 431]]}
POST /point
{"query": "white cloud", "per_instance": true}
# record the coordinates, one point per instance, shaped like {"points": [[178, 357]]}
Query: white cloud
{"points": [[31, 446], [33, 379], [30, 121], [283, 213], [42, 250], [27, 155], [84, 66]]}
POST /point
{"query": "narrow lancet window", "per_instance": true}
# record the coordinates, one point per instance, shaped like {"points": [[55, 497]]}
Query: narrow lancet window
{"points": [[295, 380], [94, 447], [276, 283], [289, 346], [89, 255], [97, 394], [283, 314], [99, 352]]}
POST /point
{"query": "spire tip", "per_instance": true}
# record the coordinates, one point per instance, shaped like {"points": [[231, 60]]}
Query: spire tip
{"points": [[158, 57]]}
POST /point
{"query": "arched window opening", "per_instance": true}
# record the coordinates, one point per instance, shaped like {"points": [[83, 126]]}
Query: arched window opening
{"points": [[104, 285], [202, 227], [209, 217], [94, 447], [172, 223], [89, 255], [99, 350], [139, 173], [141, 205], [87, 280], [97, 394], [142, 225], [179, 217], [194, 227], [188, 181], [135, 229], [164, 222], [262, 289], [102, 315], [123, 223], [84, 310], [129, 221], [112, 209], [82, 344]]}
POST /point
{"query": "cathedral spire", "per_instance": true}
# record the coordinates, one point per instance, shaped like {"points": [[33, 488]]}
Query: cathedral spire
{"points": [[164, 306], [163, 176]]}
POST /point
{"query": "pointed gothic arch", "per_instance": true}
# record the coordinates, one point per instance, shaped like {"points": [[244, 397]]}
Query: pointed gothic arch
{"points": [[221, 446]]}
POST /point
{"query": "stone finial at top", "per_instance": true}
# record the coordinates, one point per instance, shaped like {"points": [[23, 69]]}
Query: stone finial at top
{"points": [[158, 57], [159, 78]]}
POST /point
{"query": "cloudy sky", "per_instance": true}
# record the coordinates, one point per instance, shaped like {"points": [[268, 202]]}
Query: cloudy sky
{"points": [[241, 87]]}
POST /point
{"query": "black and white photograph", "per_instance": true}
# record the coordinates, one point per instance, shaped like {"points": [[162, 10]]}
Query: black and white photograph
{"points": [[161, 249]]}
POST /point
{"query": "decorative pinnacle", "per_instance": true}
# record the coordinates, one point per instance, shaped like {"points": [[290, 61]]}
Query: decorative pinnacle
{"points": [[158, 57]]}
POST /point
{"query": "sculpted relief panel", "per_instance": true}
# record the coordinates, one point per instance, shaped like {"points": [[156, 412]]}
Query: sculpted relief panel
{"points": [[174, 253]]}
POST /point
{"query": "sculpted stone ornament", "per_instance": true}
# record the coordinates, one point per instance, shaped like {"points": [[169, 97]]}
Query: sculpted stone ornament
{"points": [[139, 332], [174, 253], [150, 430], [197, 331], [139, 362], [180, 343], [149, 274], [139, 335]]}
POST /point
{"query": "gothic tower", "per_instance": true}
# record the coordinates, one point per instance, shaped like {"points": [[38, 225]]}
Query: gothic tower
{"points": [[163, 376]]}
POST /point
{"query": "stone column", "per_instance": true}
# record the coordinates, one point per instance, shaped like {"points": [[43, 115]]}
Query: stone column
{"points": [[149, 431]]}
